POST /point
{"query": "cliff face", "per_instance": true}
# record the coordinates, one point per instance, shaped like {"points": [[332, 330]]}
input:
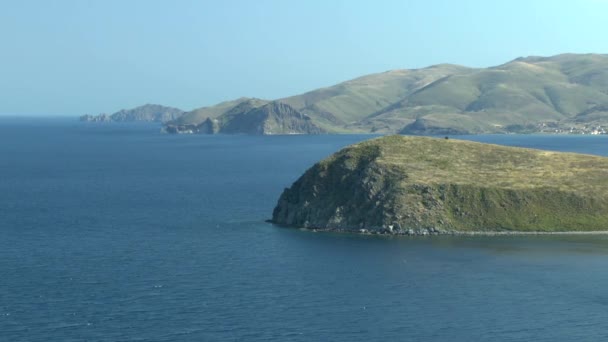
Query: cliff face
{"points": [[406, 185], [256, 118], [350, 192], [272, 118]]}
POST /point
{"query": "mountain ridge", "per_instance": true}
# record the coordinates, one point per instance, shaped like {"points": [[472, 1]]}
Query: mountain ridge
{"points": [[557, 94], [527, 94]]}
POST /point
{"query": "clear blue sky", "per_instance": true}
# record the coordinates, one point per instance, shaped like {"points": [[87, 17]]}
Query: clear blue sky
{"points": [[76, 56]]}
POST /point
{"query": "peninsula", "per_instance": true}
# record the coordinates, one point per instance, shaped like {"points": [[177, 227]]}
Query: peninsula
{"points": [[420, 185]]}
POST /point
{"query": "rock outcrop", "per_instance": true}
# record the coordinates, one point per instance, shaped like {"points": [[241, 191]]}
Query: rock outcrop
{"points": [[253, 118], [272, 118], [417, 185]]}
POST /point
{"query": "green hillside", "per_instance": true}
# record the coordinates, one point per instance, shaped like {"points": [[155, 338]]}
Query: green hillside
{"points": [[352, 101], [517, 93], [396, 184]]}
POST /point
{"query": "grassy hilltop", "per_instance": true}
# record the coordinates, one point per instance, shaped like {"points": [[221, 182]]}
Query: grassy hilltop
{"points": [[397, 184], [531, 94]]}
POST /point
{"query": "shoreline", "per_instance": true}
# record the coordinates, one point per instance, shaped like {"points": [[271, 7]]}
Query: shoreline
{"points": [[435, 232], [460, 233]]}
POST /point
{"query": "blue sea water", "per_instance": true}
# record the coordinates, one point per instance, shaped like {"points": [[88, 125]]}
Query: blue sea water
{"points": [[119, 233]]}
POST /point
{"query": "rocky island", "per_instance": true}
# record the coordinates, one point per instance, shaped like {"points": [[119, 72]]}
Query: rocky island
{"points": [[420, 185]]}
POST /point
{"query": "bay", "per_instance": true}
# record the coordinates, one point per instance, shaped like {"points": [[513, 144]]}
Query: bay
{"points": [[119, 233]]}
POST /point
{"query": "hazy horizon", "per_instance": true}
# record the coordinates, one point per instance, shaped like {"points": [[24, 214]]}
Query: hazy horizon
{"points": [[69, 58]]}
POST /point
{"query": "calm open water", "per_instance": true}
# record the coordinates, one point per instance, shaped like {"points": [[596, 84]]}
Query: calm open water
{"points": [[118, 233]]}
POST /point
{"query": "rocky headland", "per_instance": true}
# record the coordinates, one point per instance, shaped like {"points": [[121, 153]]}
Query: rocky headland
{"points": [[250, 116], [428, 186]]}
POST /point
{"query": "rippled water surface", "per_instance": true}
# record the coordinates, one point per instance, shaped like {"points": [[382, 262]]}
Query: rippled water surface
{"points": [[119, 233]]}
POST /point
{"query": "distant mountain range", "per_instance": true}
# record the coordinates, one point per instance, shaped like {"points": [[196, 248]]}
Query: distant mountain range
{"points": [[145, 113], [563, 93]]}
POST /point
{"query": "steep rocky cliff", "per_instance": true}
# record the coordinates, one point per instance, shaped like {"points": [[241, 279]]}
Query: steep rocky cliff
{"points": [[272, 118], [416, 185]]}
